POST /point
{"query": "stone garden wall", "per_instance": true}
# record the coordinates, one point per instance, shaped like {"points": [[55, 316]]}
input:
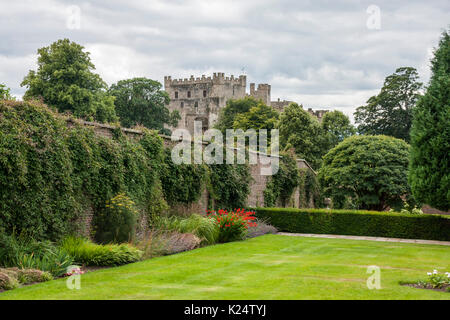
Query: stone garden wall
{"points": [[257, 187]]}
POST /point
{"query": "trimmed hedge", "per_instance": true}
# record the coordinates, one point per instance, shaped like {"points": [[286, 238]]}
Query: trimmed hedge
{"points": [[358, 222]]}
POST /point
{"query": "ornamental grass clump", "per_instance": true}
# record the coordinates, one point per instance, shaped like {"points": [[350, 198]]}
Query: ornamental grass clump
{"points": [[233, 225], [88, 253], [204, 228]]}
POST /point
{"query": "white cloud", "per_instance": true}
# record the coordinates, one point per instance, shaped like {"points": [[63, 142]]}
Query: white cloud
{"points": [[13, 69], [317, 52]]}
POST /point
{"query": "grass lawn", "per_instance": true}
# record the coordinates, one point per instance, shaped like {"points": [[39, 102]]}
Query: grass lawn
{"points": [[267, 267]]}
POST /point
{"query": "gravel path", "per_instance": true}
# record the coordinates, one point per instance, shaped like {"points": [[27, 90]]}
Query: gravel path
{"points": [[335, 236]]}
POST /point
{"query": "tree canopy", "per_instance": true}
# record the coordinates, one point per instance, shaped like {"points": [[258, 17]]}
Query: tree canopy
{"points": [[232, 109], [430, 134], [337, 127], [302, 132], [5, 93], [64, 80], [140, 101], [390, 112], [260, 116], [370, 171]]}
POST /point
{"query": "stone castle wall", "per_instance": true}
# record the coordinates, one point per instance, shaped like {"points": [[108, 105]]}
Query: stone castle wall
{"points": [[202, 98], [257, 187]]}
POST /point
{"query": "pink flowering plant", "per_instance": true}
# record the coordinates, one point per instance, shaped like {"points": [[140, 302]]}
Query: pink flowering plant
{"points": [[233, 225]]}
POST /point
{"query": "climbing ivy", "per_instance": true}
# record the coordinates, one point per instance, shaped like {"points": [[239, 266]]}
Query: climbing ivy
{"points": [[37, 192], [281, 186], [309, 188], [229, 184], [182, 183], [52, 175]]}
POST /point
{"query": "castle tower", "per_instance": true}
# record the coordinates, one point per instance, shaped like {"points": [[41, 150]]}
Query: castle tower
{"points": [[261, 93], [200, 99]]}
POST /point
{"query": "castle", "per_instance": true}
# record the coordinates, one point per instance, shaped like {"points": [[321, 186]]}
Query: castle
{"points": [[200, 99]]}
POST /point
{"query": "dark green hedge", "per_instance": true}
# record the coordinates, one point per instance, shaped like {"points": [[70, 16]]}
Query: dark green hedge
{"points": [[358, 222]]}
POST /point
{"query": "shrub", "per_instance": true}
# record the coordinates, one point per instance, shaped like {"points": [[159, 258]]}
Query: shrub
{"points": [[26, 276], [179, 242], [54, 261], [8, 282], [161, 242], [153, 244], [31, 254], [117, 222], [260, 228], [233, 224], [85, 252], [372, 170], [358, 222]]}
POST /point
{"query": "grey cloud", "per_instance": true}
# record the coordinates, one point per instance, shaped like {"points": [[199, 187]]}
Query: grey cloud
{"points": [[318, 52]]}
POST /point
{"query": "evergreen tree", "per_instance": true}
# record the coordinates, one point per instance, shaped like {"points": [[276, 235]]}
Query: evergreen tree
{"points": [[429, 174]]}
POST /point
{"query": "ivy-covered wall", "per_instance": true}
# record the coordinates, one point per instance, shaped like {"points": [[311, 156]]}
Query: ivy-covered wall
{"points": [[52, 176], [57, 173], [187, 198]]}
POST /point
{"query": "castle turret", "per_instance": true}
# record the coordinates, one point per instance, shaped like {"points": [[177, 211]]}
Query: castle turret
{"points": [[261, 93]]}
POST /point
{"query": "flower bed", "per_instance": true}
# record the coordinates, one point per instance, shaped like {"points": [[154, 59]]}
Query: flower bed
{"points": [[435, 281]]}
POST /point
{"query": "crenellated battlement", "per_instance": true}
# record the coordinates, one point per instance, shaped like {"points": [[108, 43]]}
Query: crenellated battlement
{"points": [[262, 92], [217, 78]]}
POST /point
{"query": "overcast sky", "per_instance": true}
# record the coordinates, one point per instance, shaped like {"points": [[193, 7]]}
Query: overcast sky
{"points": [[324, 54]]}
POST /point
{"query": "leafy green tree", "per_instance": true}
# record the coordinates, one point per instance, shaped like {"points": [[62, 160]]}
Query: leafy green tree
{"points": [[5, 93], [232, 109], [337, 127], [140, 101], [372, 171], [260, 116], [430, 134], [64, 80], [302, 131], [390, 112]]}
